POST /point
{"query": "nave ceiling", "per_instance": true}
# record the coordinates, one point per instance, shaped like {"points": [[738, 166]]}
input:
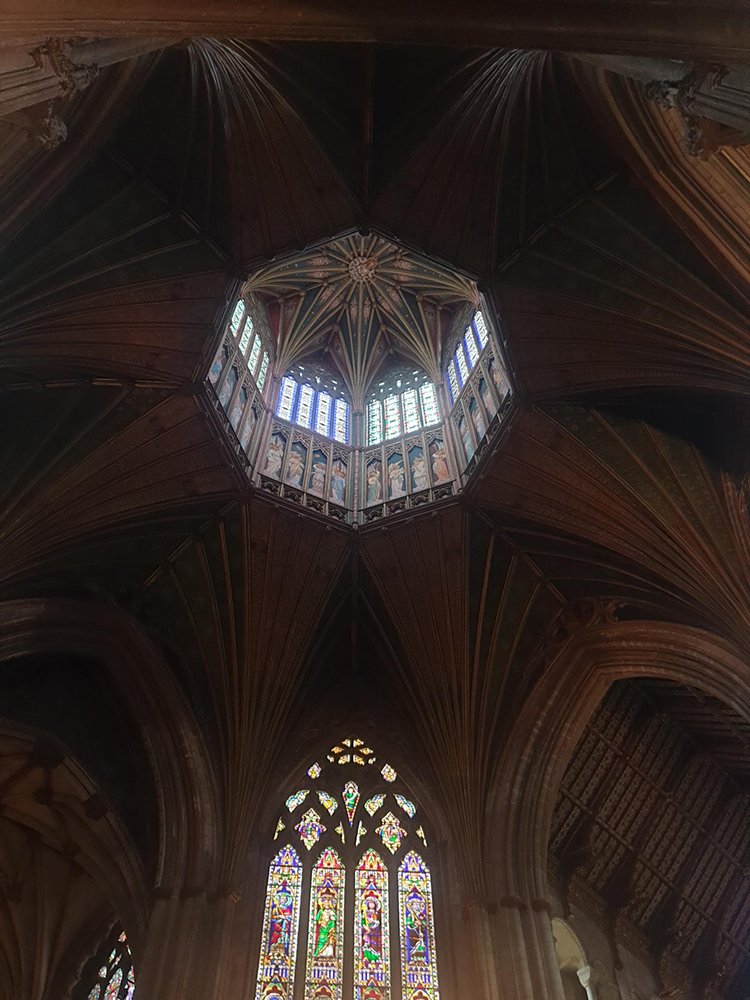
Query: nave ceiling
{"points": [[117, 493]]}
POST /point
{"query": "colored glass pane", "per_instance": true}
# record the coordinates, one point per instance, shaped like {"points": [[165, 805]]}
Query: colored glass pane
{"points": [[341, 421], [371, 937], [340, 831], [313, 771], [113, 986], [261, 379], [428, 399], [392, 417], [472, 350], [278, 950], [310, 829], [247, 332], [388, 773], [463, 368], [361, 831], [286, 398], [297, 799], [358, 759], [95, 993], [418, 963], [372, 805], [357, 743], [421, 835], [411, 410], [347, 742], [305, 406], [351, 798], [325, 929], [323, 414], [328, 802], [481, 328], [345, 758], [252, 361], [453, 385], [279, 828], [391, 832], [234, 323], [407, 805], [374, 421]]}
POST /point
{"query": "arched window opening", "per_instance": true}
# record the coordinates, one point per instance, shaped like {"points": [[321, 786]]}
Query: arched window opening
{"points": [[477, 386], [403, 404], [317, 409], [354, 866], [109, 974], [240, 368]]}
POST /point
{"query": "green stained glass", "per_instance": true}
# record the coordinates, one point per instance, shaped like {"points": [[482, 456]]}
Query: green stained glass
{"points": [[297, 799], [407, 805], [391, 832], [372, 805], [325, 944], [351, 798]]}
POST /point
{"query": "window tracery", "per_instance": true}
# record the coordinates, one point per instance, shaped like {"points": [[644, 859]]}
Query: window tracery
{"points": [[360, 883], [314, 409], [109, 975]]}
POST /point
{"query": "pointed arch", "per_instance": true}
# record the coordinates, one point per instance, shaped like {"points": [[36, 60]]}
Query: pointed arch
{"points": [[417, 929], [372, 966], [278, 951], [325, 965]]}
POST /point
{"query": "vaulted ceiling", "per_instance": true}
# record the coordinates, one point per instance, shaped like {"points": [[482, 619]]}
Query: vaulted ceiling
{"points": [[621, 475]]}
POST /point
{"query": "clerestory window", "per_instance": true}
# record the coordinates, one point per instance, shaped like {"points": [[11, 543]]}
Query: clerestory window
{"points": [[314, 409]]}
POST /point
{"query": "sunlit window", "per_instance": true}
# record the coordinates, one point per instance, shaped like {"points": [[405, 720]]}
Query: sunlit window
{"points": [[401, 412], [314, 409], [305, 406], [286, 398]]}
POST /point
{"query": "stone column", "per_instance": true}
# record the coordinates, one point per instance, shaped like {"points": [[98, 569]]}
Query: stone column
{"points": [[524, 952]]}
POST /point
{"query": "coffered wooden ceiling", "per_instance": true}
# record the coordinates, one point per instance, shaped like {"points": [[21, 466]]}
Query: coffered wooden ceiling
{"points": [[219, 156]]}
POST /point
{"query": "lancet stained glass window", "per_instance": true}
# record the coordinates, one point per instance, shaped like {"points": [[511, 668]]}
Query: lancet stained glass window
{"points": [[402, 411], [314, 409], [109, 974], [353, 867]]}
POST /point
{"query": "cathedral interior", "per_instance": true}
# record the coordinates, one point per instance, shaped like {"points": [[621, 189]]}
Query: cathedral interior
{"points": [[374, 527]]}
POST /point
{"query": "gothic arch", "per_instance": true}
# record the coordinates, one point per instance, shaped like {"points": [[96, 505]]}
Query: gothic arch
{"points": [[556, 713], [182, 773]]}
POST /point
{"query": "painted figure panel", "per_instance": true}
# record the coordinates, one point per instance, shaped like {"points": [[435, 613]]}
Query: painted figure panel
{"points": [[275, 455], [374, 489], [418, 965], [295, 465], [396, 476], [279, 942], [371, 939], [439, 461], [337, 491], [420, 477], [324, 975], [316, 482]]}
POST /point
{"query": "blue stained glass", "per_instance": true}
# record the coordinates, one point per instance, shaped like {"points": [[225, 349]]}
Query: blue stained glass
{"points": [[341, 421], [323, 414], [472, 351], [374, 422], [305, 406], [286, 398], [481, 327], [463, 368]]}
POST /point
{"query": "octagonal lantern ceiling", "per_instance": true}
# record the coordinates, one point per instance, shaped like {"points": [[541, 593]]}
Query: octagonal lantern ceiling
{"points": [[360, 304]]}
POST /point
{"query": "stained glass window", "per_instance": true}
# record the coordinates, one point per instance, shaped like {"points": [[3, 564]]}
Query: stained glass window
{"points": [[411, 410], [418, 965], [392, 417], [463, 368], [109, 974], [362, 858], [341, 420], [305, 406], [323, 414], [247, 333], [372, 969], [239, 311], [286, 398], [261, 379], [453, 381], [252, 360], [374, 421], [472, 350], [278, 950], [428, 398], [325, 929], [481, 327]]}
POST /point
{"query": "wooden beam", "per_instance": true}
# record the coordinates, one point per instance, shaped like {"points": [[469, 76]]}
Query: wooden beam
{"points": [[719, 31]]}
